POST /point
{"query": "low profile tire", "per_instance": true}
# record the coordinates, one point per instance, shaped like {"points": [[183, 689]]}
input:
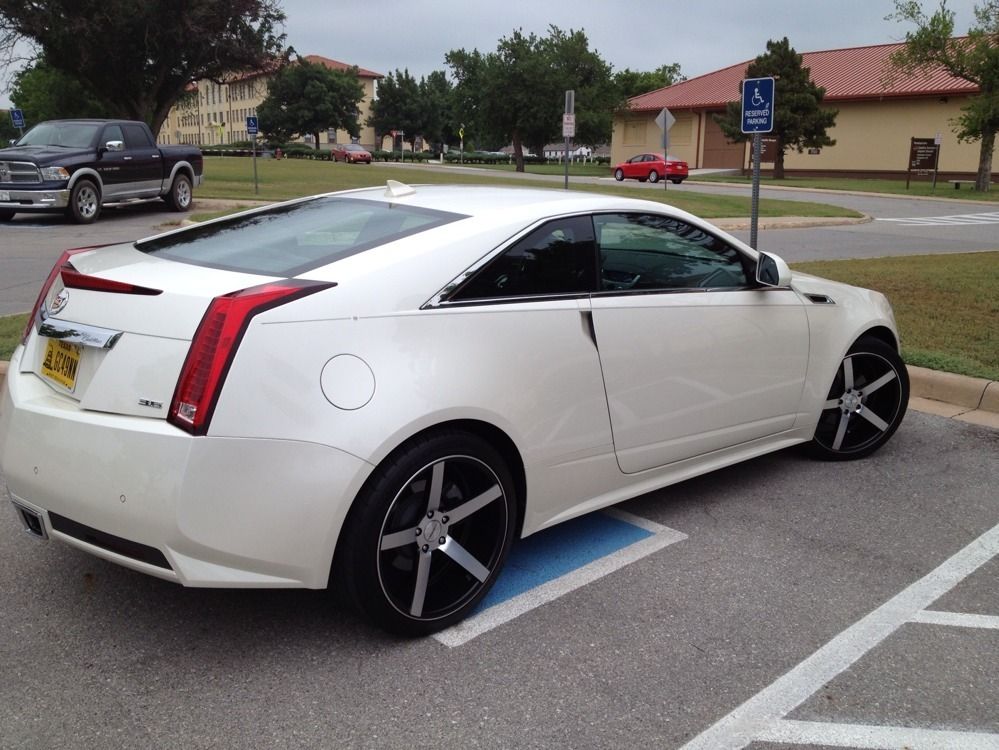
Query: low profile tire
{"points": [[865, 405], [653, 176], [84, 202], [619, 174], [180, 196], [427, 535], [6, 215]]}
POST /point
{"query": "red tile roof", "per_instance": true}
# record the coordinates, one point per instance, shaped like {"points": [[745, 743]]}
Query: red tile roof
{"points": [[847, 74], [337, 65]]}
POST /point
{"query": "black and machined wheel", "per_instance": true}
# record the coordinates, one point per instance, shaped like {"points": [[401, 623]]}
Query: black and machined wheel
{"points": [[619, 174], [653, 176], [84, 202], [428, 534], [865, 405], [180, 196]]}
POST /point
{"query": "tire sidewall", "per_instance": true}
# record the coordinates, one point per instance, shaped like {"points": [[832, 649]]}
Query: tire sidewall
{"points": [[74, 209]]}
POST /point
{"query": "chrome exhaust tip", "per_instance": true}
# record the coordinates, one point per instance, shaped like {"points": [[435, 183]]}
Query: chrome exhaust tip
{"points": [[31, 520]]}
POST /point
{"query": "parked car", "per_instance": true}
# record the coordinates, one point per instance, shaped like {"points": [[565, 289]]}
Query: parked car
{"points": [[652, 167], [77, 166], [351, 153], [383, 388]]}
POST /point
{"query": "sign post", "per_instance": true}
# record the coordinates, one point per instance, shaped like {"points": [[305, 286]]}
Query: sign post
{"points": [[461, 144], [665, 121], [568, 128], [758, 104], [252, 128], [17, 120]]}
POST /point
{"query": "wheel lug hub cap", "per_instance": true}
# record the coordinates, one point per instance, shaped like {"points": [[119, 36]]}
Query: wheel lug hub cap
{"points": [[851, 401], [433, 532]]}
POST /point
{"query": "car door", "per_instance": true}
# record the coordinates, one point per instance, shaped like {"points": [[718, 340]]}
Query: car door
{"points": [[696, 357], [144, 160]]}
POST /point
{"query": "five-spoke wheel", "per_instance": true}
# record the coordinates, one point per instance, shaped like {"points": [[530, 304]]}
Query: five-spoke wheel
{"points": [[866, 402], [429, 533]]}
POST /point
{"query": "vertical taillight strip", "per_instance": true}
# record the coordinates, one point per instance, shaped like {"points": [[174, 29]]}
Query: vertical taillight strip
{"points": [[214, 346]]}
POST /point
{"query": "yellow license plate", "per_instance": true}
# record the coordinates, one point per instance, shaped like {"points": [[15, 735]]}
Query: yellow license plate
{"points": [[61, 363]]}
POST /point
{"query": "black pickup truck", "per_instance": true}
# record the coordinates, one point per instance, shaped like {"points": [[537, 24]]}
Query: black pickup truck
{"points": [[76, 166]]}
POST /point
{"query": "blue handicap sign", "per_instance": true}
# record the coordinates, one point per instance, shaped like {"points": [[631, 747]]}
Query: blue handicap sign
{"points": [[757, 105], [17, 118], [251, 125]]}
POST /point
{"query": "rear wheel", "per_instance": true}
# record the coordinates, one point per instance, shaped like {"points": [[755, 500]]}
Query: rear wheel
{"points": [[653, 176], [865, 405], [84, 202], [619, 174], [180, 195], [428, 534]]}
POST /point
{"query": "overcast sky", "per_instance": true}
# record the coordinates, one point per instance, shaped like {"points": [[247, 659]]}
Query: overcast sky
{"points": [[702, 36]]}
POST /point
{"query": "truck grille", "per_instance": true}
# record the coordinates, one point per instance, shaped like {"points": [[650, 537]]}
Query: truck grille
{"points": [[19, 172]]}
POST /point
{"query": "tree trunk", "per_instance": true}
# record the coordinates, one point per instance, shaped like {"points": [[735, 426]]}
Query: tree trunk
{"points": [[778, 160], [984, 179], [315, 134], [518, 151]]}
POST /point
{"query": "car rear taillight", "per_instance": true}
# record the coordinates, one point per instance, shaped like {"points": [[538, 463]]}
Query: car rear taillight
{"points": [[214, 346], [60, 264], [73, 279]]}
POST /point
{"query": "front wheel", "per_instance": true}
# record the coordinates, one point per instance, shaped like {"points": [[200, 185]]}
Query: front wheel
{"points": [[619, 174], [84, 202], [427, 536], [653, 176], [180, 195], [865, 405]]}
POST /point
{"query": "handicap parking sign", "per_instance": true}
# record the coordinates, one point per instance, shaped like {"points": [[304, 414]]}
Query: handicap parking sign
{"points": [[17, 118], [758, 105], [251, 125]]}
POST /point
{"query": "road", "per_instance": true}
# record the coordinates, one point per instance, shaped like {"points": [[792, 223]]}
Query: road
{"points": [[774, 568], [29, 245]]}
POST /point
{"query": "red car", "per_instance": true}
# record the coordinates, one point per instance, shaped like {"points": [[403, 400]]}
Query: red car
{"points": [[651, 167], [350, 153]]}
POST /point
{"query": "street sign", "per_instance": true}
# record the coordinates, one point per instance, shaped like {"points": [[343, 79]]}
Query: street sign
{"points": [[568, 125], [17, 118], [665, 120], [758, 105], [252, 126]]}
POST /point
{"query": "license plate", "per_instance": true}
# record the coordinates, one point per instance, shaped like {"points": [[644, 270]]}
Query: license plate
{"points": [[61, 363], [4, 195]]}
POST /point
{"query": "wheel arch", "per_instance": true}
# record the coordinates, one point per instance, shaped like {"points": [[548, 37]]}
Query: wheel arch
{"points": [[181, 167], [86, 174], [881, 333]]}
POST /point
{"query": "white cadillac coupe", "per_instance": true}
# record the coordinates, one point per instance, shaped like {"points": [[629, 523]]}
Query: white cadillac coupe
{"points": [[381, 389]]}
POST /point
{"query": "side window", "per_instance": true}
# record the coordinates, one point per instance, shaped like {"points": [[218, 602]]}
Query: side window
{"points": [[136, 137], [112, 133], [650, 252], [556, 258]]}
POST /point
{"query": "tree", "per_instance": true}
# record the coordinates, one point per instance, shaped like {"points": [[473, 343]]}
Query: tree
{"points": [[142, 55], [632, 83], [397, 107], [44, 93], [974, 58], [436, 103], [799, 121], [305, 97], [515, 94]]}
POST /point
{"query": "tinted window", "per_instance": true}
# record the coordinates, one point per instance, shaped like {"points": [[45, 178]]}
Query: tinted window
{"points": [[68, 134], [289, 240], [136, 137], [113, 133], [645, 251], [556, 258]]}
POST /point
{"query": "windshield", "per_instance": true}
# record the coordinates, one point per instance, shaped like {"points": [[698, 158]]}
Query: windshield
{"points": [[67, 134], [289, 240]]}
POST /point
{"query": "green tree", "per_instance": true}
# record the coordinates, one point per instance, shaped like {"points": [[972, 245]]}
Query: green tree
{"points": [[397, 107], [306, 98], [799, 120], [44, 93], [975, 58], [632, 82], [436, 104], [516, 94], [142, 55]]}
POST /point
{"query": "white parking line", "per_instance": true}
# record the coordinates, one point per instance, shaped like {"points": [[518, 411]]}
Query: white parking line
{"points": [[764, 713], [947, 221], [956, 619], [473, 627], [878, 738]]}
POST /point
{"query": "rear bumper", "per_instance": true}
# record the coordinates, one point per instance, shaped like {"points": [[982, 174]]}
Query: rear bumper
{"points": [[221, 511], [34, 200]]}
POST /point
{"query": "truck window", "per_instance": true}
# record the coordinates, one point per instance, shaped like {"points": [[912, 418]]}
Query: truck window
{"points": [[112, 133], [136, 136]]}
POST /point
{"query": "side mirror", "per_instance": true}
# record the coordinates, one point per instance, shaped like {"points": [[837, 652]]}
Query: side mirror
{"points": [[115, 146], [772, 271]]}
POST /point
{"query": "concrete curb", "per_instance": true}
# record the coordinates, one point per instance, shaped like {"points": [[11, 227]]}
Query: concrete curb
{"points": [[788, 222], [901, 196], [945, 394]]}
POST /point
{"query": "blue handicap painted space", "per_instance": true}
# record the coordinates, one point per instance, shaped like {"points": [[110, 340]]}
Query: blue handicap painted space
{"points": [[552, 553]]}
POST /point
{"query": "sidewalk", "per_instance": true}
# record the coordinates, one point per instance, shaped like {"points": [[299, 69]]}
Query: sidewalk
{"points": [[973, 400]]}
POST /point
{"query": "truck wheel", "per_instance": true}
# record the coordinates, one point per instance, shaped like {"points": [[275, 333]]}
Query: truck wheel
{"points": [[84, 202], [6, 215], [179, 197]]}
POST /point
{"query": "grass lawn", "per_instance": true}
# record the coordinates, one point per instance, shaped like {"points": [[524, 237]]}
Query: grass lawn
{"points": [[947, 307], [232, 177], [919, 187], [575, 169]]}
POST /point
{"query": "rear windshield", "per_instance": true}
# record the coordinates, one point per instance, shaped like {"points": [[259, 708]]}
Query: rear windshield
{"points": [[290, 240]]}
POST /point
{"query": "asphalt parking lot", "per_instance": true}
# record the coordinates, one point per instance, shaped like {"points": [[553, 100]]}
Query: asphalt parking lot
{"points": [[780, 603]]}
